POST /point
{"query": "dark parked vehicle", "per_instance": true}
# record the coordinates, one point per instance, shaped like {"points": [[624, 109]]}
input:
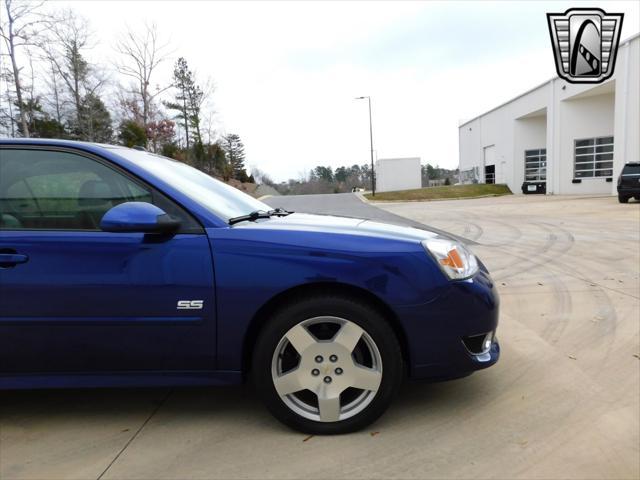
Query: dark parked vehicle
{"points": [[119, 267], [534, 187], [629, 182]]}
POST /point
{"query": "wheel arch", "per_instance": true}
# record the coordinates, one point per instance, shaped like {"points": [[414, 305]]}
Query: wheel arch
{"points": [[330, 288]]}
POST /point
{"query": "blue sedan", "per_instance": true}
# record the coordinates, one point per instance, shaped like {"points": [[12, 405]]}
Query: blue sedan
{"points": [[119, 267]]}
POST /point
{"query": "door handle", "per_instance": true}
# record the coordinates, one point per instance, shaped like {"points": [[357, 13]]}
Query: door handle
{"points": [[8, 260]]}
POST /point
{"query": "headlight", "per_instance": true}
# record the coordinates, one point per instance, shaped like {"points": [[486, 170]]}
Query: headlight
{"points": [[455, 260]]}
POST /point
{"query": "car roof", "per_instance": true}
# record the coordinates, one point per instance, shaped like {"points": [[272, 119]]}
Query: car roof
{"points": [[101, 149], [56, 142]]}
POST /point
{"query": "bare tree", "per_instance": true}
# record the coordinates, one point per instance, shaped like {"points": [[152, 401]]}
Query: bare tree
{"points": [[6, 111], [54, 100], [71, 38], [74, 78], [21, 27], [209, 125], [31, 104], [142, 55]]}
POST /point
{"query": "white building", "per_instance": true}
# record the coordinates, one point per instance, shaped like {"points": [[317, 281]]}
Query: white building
{"points": [[573, 138], [398, 174]]}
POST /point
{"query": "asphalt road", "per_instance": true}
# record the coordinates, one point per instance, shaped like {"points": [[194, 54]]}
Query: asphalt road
{"points": [[563, 402], [342, 204], [346, 205]]}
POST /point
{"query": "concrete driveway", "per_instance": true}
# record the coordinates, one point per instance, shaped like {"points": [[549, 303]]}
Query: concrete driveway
{"points": [[563, 402]]}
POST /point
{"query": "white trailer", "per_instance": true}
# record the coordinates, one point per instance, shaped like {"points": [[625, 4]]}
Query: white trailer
{"points": [[398, 174]]}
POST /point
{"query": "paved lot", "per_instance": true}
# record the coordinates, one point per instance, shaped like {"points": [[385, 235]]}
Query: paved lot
{"points": [[563, 402], [346, 204]]}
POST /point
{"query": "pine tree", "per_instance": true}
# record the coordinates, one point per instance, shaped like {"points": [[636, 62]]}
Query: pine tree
{"points": [[95, 120], [182, 81], [188, 103], [40, 124], [215, 159], [132, 133], [235, 154]]}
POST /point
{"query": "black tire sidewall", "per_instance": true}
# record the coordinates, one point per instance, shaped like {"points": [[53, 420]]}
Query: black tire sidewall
{"points": [[368, 318]]}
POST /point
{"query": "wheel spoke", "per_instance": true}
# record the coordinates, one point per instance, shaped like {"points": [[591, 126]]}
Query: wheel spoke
{"points": [[300, 338], [290, 382], [329, 408], [366, 378], [349, 335]]}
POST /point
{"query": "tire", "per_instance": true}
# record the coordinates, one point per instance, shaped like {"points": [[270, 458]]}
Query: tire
{"points": [[623, 198], [324, 368]]}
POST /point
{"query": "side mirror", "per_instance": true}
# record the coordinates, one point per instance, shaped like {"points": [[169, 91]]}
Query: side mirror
{"points": [[138, 217]]}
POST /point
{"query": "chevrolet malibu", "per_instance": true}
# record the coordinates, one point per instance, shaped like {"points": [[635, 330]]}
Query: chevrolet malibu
{"points": [[119, 267]]}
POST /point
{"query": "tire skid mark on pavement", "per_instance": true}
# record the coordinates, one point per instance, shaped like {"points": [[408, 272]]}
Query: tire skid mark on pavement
{"points": [[552, 246], [504, 239], [548, 258], [472, 231], [561, 312], [537, 256], [576, 270], [558, 241]]}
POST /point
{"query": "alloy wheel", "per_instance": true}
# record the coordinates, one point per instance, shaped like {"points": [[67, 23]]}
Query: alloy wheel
{"points": [[326, 369]]}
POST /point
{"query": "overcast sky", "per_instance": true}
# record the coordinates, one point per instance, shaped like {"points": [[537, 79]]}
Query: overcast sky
{"points": [[286, 73]]}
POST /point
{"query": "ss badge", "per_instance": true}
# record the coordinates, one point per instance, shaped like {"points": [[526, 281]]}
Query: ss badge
{"points": [[190, 304]]}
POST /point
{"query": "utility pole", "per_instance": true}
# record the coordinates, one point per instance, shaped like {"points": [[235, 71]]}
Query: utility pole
{"points": [[373, 175]]}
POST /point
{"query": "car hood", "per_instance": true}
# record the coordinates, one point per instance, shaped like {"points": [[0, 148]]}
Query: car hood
{"points": [[303, 222]]}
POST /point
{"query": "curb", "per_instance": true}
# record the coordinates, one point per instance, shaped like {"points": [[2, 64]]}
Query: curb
{"points": [[361, 197], [438, 199], [264, 197]]}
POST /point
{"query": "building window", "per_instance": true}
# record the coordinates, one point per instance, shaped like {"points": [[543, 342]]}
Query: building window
{"points": [[535, 165], [594, 157]]}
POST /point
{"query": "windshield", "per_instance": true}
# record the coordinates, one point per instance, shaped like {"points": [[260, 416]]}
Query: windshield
{"points": [[221, 199], [631, 169]]}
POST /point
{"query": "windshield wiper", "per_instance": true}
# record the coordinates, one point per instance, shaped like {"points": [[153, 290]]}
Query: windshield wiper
{"points": [[255, 215], [251, 217], [280, 212]]}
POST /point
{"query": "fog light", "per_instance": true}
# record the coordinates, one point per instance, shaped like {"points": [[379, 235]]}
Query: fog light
{"points": [[488, 340], [479, 344]]}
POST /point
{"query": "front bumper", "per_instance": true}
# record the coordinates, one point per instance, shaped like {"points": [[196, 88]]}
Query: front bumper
{"points": [[436, 330]]}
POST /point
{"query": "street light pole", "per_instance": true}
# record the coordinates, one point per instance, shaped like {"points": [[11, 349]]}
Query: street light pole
{"points": [[373, 175]]}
